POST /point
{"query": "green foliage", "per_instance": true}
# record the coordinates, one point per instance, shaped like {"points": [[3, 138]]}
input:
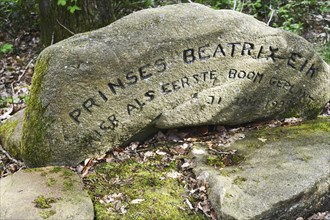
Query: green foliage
{"points": [[6, 48], [325, 52], [73, 8], [61, 2], [291, 15], [4, 101], [72, 5], [17, 15]]}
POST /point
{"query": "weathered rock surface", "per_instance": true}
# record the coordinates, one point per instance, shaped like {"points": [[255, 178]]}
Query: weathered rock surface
{"points": [[285, 174], [181, 65], [44, 193], [11, 134]]}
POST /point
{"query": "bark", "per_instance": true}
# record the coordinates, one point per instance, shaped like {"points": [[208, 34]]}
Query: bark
{"points": [[57, 23]]}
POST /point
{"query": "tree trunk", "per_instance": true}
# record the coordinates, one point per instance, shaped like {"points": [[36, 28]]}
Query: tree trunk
{"points": [[57, 23]]}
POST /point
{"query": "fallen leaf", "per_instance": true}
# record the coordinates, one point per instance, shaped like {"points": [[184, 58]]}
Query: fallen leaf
{"points": [[137, 201], [263, 140], [198, 151], [185, 165], [173, 174], [149, 154], [189, 204], [123, 209], [161, 153]]}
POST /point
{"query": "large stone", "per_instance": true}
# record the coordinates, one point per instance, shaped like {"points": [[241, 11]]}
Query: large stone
{"points": [[44, 193], [179, 65], [11, 134], [285, 174]]}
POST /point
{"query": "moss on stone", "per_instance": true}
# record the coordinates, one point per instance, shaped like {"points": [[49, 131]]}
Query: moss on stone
{"points": [[30, 170], [56, 169], [47, 213], [66, 173], [67, 185], [311, 111], [215, 161], [321, 124], [6, 131], [290, 131], [35, 153], [239, 180], [160, 197], [43, 173], [51, 182], [224, 160], [43, 202], [303, 157]]}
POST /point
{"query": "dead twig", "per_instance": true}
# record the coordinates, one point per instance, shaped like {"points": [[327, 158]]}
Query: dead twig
{"points": [[221, 152], [271, 15], [10, 157], [53, 35], [71, 32], [24, 72], [235, 3]]}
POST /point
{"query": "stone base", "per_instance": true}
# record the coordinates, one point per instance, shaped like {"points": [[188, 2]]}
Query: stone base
{"points": [[45, 193], [285, 173]]}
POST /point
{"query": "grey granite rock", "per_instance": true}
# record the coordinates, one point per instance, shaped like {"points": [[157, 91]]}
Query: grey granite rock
{"points": [[44, 193], [11, 134], [285, 174], [173, 66]]}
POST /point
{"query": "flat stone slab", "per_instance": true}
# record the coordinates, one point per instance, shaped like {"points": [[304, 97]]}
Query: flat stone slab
{"points": [[44, 193], [285, 174], [173, 66]]}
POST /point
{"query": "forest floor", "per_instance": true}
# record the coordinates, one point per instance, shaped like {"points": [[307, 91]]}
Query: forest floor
{"points": [[16, 71]]}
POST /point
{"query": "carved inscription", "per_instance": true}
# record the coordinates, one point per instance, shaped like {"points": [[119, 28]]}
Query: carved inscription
{"points": [[242, 74], [214, 100], [210, 77], [188, 81], [235, 49], [138, 104]]}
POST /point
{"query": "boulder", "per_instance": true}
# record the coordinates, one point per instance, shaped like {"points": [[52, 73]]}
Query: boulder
{"points": [[283, 173], [173, 66], [44, 193], [11, 134]]}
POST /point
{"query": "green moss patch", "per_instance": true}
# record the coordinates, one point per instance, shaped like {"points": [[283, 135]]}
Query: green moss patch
{"points": [[224, 160], [138, 190], [239, 180], [6, 132], [35, 153], [43, 202], [307, 127], [56, 169], [68, 185], [47, 213], [7, 128], [51, 182]]}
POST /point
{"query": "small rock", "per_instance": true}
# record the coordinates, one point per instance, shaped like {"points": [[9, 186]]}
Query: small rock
{"points": [[293, 163], [45, 193]]}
